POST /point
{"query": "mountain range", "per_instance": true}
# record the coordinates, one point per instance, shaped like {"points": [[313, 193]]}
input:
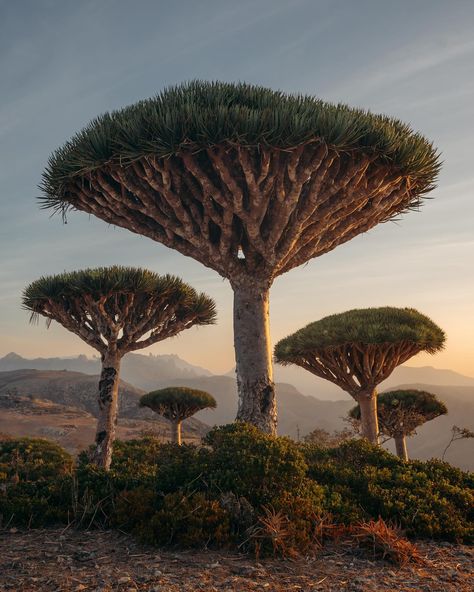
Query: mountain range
{"points": [[150, 372]]}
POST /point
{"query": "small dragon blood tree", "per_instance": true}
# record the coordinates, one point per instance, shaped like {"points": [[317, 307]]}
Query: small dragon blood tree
{"points": [[176, 404], [117, 310], [249, 181], [359, 349], [401, 412]]}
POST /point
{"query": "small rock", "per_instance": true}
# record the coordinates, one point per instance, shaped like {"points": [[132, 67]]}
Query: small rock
{"points": [[124, 580]]}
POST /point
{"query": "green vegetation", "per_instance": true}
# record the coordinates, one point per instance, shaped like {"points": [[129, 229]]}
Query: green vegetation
{"points": [[119, 282], [237, 488], [367, 326], [176, 404], [198, 115]]}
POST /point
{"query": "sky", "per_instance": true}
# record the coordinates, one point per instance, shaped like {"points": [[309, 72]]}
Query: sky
{"points": [[63, 62]]}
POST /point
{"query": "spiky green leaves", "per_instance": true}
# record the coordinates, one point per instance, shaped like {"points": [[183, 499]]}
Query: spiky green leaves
{"points": [[365, 327], [198, 115], [177, 403], [402, 411], [129, 307]]}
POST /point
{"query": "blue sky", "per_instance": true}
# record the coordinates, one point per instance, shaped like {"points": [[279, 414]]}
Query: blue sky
{"points": [[64, 62]]}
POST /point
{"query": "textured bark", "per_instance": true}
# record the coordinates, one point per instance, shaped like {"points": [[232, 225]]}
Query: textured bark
{"points": [[368, 415], [281, 207], [108, 408], [248, 212], [257, 404], [401, 446], [176, 432]]}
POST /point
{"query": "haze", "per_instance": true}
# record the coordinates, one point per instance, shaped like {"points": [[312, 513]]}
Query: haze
{"points": [[63, 62]]}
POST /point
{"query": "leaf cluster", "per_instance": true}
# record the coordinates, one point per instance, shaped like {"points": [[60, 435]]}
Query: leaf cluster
{"points": [[116, 283], [369, 326], [177, 402], [198, 114]]}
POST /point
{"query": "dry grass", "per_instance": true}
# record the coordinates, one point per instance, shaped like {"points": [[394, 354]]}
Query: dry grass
{"points": [[384, 542]]}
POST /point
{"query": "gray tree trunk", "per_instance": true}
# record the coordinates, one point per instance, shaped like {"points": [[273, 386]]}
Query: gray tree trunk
{"points": [[257, 404], [401, 446], [368, 416], [176, 432], [108, 408]]}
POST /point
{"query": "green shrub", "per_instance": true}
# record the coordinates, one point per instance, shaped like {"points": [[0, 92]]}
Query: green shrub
{"points": [[32, 459], [241, 482], [428, 499], [182, 468], [254, 465], [188, 521], [35, 482]]}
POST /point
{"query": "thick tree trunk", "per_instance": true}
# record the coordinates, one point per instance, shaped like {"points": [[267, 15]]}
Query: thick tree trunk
{"points": [[401, 446], [176, 432], [108, 408], [368, 416], [257, 404]]}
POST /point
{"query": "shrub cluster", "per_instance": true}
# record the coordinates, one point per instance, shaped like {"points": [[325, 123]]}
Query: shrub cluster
{"points": [[242, 488], [362, 481]]}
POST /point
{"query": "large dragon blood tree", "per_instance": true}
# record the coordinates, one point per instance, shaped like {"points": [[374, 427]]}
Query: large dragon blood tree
{"points": [[401, 412], [117, 310], [359, 349], [249, 181], [177, 403]]}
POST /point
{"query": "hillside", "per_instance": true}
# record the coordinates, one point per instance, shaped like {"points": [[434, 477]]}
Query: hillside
{"points": [[146, 372], [62, 406]]}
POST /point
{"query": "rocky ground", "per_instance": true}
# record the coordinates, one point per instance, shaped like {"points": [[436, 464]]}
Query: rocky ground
{"points": [[95, 561]]}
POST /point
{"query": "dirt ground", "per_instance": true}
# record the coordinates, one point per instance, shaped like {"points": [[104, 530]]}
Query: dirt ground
{"points": [[56, 560]]}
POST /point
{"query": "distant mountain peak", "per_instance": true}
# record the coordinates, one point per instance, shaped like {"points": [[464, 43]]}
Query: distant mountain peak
{"points": [[12, 356]]}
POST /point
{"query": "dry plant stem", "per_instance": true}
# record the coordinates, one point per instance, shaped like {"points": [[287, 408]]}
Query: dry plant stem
{"points": [[368, 416], [176, 432], [108, 408], [401, 446], [257, 404]]}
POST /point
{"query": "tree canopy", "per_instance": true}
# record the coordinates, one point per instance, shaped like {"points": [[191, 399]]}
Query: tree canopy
{"points": [[178, 402], [197, 115], [119, 303], [402, 411], [368, 326]]}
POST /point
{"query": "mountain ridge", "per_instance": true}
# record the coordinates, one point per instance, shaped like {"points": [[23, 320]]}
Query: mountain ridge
{"points": [[150, 372]]}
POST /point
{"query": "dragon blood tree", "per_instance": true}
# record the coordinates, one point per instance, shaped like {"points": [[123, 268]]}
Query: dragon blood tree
{"points": [[117, 310], [177, 403], [249, 181], [359, 349], [401, 412]]}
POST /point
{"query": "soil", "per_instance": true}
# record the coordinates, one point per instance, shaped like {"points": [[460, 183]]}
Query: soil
{"points": [[60, 560]]}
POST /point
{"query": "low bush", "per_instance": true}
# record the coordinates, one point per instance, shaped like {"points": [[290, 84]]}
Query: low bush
{"points": [[35, 482], [427, 499], [254, 465], [243, 487], [193, 520]]}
